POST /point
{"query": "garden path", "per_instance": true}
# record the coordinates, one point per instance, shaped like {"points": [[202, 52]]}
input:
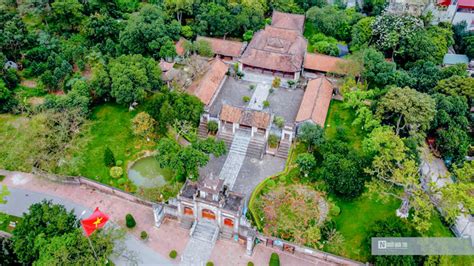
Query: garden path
{"points": [[259, 96]]}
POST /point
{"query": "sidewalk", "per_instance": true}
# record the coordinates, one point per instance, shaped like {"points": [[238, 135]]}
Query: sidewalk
{"points": [[26, 189]]}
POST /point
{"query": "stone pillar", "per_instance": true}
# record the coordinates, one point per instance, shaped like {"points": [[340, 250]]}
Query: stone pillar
{"points": [[250, 245], [297, 76], [234, 126], [252, 132]]}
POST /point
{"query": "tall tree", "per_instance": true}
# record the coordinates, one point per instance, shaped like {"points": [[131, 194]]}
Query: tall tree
{"points": [[66, 15], [179, 7], [408, 110], [361, 33], [311, 134], [131, 76]]}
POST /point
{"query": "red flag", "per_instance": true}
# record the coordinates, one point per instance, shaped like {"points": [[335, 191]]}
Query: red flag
{"points": [[95, 221]]}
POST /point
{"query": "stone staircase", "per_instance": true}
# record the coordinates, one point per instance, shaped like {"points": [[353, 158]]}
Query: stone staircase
{"points": [[202, 129], [256, 148], [205, 231], [226, 234], [226, 136], [283, 149], [186, 223], [240, 143]]}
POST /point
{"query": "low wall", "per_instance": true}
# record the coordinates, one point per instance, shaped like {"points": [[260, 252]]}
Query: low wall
{"points": [[292, 248], [80, 180]]}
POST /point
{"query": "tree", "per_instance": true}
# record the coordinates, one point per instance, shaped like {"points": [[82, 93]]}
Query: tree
{"points": [[450, 125], [143, 125], [425, 76], [191, 159], [392, 168], [377, 71], [168, 50], [361, 33], [7, 254], [306, 162], [182, 127], [311, 134], [408, 110], [211, 145], [74, 249], [179, 7], [109, 158], [214, 20], [14, 37], [100, 82], [288, 6], [457, 85], [456, 196], [333, 22], [389, 30], [203, 48], [43, 220], [131, 76], [7, 100], [147, 31], [66, 15], [373, 7]]}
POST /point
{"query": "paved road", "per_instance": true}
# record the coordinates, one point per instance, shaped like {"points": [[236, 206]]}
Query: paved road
{"points": [[20, 199]]}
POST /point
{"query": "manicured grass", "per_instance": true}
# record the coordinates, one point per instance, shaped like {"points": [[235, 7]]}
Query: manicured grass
{"points": [[5, 220], [355, 219], [340, 117], [111, 127], [15, 144]]}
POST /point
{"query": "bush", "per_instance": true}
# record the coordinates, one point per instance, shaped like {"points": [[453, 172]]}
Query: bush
{"points": [[251, 87], [212, 126], [335, 211], [210, 263], [109, 158], [122, 181], [2, 177], [130, 221], [250, 263], [246, 99], [116, 172], [173, 254], [118, 163], [143, 235], [276, 83], [266, 104], [274, 260], [279, 121], [273, 141]]}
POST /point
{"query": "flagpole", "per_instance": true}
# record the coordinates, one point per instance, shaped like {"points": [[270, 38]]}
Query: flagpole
{"points": [[90, 243]]}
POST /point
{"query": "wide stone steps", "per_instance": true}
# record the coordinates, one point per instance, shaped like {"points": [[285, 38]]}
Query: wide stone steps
{"points": [[186, 223], [256, 148], [205, 231], [225, 234], [226, 137]]}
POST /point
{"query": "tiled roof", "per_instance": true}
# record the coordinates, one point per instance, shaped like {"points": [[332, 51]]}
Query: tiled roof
{"points": [[276, 49], [316, 100], [206, 87], [224, 47], [324, 63], [250, 118], [179, 47], [288, 21], [165, 66]]}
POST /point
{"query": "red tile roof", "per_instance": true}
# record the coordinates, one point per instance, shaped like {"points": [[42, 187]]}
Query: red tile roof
{"points": [[316, 100], [224, 47], [206, 87], [250, 118], [276, 49], [288, 21], [325, 63], [179, 47]]}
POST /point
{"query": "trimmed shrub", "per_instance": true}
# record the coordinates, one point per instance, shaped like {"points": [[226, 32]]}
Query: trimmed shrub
{"points": [[250, 263], [276, 82], [273, 141], [334, 211], [266, 104], [116, 172], [251, 87], [143, 235], [130, 221], [274, 260], [246, 99], [109, 158], [2, 177], [173, 254], [210, 263], [279, 121], [212, 126], [118, 163]]}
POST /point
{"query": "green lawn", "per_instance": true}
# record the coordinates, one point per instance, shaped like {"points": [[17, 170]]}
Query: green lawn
{"points": [[354, 222], [340, 117], [111, 127]]}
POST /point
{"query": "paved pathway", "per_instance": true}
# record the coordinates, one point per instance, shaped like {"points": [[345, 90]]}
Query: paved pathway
{"points": [[197, 252], [235, 158], [259, 96]]}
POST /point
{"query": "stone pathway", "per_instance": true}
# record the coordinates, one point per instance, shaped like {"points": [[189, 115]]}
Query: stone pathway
{"points": [[235, 158], [200, 246], [259, 96]]}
